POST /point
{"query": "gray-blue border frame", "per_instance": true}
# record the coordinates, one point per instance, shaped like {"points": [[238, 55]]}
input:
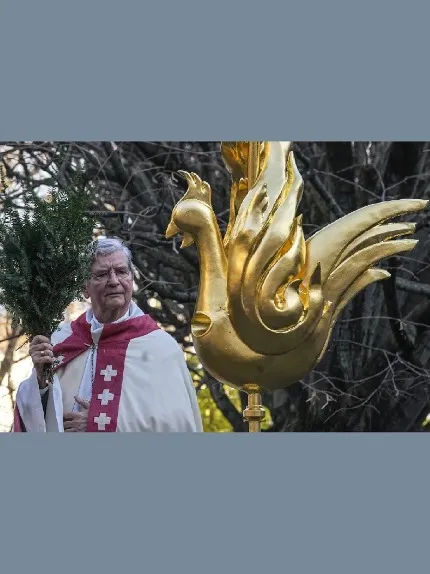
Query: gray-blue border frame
{"points": [[186, 70]]}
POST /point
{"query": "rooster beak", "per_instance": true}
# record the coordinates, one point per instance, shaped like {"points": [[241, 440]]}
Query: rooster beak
{"points": [[187, 240], [172, 229]]}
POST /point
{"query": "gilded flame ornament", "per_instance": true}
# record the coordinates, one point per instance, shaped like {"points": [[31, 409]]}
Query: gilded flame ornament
{"points": [[268, 299]]}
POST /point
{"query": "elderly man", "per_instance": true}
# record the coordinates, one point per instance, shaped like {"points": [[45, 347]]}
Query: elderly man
{"points": [[115, 369]]}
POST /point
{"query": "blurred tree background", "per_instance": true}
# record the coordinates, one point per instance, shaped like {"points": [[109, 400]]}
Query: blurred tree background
{"points": [[374, 376]]}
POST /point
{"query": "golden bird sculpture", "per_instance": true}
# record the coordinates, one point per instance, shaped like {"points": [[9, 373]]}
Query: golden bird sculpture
{"points": [[268, 298]]}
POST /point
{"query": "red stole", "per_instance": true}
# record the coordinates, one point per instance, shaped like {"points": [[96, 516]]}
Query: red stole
{"points": [[109, 367]]}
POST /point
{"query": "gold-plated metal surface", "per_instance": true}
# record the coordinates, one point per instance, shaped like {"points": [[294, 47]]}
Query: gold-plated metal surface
{"points": [[268, 299], [254, 413]]}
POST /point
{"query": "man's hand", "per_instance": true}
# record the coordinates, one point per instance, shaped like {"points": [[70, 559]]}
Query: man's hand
{"points": [[77, 422], [41, 352]]}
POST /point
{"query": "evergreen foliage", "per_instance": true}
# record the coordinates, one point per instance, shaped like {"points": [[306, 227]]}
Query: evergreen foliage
{"points": [[44, 255]]}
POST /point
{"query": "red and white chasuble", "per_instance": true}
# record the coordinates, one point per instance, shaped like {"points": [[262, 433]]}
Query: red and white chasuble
{"points": [[140, 381]]}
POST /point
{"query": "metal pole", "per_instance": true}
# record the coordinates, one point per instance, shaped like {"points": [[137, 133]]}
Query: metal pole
{"points": [[254, 413]]}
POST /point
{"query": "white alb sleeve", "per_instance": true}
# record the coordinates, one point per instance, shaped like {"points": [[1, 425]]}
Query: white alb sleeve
{"points": [[29, 403]]}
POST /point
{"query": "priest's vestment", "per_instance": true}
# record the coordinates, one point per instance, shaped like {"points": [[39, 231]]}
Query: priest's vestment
{"points": [[133, 374]]}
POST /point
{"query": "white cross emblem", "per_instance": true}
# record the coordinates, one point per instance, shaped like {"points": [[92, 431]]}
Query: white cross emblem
{"points": [[105, 396], [108, 373], [102, 420]]}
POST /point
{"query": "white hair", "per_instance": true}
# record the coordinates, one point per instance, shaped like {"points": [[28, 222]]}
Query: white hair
{"points": [[108, 245]]}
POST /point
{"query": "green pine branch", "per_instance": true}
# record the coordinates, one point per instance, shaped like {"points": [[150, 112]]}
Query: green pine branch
{"points": [[44, 255]]}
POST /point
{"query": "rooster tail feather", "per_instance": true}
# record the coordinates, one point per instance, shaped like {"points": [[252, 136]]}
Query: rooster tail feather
{"points": [[351, 268], [328, 245]]}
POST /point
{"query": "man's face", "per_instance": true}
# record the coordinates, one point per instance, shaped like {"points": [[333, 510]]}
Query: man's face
{"points": [[110, 286]]}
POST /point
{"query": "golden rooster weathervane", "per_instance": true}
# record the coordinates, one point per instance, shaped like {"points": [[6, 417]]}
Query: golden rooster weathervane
{"points": [[268, 299]]}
